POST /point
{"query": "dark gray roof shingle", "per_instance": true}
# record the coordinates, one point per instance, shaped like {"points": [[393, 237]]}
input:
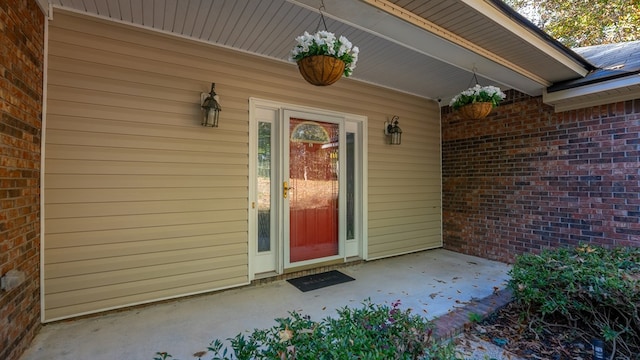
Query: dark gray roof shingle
{"points": [[612, 61]]}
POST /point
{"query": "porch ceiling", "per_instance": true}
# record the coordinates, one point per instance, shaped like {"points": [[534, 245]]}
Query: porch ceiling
{"points": [[422, 47]]}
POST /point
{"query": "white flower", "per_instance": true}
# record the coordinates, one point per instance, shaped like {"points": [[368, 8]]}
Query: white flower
{"points": [[325, 43], [478, 93]]}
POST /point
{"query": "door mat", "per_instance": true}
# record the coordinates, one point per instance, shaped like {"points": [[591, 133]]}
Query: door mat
{"points": [[317, 281]]}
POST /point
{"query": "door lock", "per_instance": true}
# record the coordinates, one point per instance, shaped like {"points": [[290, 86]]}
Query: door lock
{"points": [[285, 189]]}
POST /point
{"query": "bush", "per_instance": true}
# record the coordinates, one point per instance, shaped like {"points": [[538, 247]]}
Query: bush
{"points": [[371, 332], [594, 290]]}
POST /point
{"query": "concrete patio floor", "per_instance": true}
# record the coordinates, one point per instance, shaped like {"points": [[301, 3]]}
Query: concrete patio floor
{"points": [[432, 283]]}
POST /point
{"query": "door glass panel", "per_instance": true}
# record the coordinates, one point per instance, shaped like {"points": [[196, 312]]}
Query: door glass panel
{"points": [[264, 186], [351, 185], [313, 198]]}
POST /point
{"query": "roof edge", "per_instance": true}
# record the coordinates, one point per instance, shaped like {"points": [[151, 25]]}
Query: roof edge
{"points": [[599, 93], [517, 17], [596, 77]]}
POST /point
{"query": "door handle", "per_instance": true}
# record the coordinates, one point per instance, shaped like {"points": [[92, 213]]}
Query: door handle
{"points": [[285, 189]]}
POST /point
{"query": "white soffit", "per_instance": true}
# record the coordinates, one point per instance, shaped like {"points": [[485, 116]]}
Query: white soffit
{"points": [[444, 34], [526, 35], [391, 22], [399, 50], [44, 6]]}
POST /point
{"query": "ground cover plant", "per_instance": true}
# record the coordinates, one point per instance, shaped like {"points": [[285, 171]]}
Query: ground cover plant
{"points": [[582, 293], [373, 332]]}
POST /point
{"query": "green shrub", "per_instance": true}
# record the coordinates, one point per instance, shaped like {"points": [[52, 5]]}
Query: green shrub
{"points": [[371, 332], [595, 290]]}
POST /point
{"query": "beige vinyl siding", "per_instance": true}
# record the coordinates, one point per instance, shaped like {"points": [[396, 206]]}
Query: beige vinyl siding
{"points": [[142, 203], [405, 189]]}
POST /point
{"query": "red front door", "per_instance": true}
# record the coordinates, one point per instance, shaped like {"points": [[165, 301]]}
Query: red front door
{"points": [[313, 189]]}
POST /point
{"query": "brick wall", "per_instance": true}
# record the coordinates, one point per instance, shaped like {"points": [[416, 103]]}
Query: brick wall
{"points": [[21, 68], [526, 178]]}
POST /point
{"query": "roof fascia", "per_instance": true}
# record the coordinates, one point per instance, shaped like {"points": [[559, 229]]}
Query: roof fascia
{"points": [[593, 78], [558, 97], [503, 15]]}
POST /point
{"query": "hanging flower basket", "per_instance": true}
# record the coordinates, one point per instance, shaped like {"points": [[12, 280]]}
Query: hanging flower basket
{"points": [[477, 102], [323, 58], [477, 110], [321, 70]]}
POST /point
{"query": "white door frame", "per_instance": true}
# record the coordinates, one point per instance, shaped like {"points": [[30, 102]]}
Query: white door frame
{"points": [[275, 110]]}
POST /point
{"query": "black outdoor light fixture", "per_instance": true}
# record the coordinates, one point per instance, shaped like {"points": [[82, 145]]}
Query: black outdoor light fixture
{"points": [[392, 129], [210, 107]]}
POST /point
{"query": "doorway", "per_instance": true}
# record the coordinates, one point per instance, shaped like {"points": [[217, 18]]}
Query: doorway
{"points": [[311, 193], [306, 196]]}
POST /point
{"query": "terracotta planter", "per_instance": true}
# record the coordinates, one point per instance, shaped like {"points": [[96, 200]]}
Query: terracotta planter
{"points": [[321, 70], [477, 110]]}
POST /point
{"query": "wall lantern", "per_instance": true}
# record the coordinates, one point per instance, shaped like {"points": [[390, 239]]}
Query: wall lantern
{"points": [[392, 129], [210, 107]]}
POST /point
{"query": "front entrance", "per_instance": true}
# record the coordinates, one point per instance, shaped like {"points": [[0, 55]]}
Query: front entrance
{"points": [[306, 204], [312, 191]]}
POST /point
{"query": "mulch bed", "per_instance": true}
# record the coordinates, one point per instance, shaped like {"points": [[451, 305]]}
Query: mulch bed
{"points": [[507, 329]]}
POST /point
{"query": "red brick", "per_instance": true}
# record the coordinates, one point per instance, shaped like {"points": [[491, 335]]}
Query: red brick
{"points": [[21, 76], [526, 178]]}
